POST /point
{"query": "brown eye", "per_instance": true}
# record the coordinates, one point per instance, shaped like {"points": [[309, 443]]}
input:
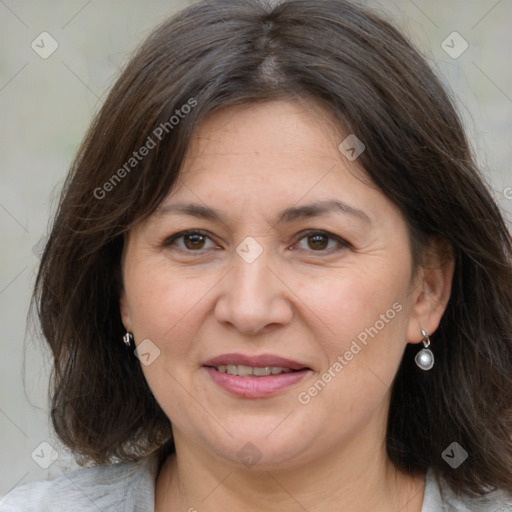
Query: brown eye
{"points": [[193, 241], [189, 241], [322, 242], [318, 241]]}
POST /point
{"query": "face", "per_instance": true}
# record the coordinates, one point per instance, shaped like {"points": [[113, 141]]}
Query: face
{"points": [[272, 256]]}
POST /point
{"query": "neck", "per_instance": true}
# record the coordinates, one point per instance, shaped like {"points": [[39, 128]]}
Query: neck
{"points": [[361, 480]]}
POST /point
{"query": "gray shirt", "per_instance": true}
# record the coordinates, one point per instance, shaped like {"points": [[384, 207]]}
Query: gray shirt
{"points": [[130, 487]]}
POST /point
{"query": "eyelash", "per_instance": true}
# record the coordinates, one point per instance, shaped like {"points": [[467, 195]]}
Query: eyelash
{"points": [[343, 244]]}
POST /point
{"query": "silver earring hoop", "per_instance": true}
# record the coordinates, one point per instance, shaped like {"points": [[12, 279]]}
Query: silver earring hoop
{"points": [[425, 358], [127, 338]]}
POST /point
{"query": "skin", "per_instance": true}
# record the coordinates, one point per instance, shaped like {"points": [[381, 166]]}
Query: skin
{"points": [[303, 298]]}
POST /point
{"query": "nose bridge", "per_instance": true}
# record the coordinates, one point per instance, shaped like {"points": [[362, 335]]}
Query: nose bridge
{"points": [[253, 297], [251, 273], [251, 278]]}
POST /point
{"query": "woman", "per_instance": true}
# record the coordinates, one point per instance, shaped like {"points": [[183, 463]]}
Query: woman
{"points": [[276, 279]]}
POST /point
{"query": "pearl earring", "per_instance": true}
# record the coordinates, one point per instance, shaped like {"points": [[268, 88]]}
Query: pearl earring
{"points": [[424, 358], [127, 338]]}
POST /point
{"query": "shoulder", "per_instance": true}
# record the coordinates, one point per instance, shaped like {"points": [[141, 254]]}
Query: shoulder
{"points": [[121, 487], [439, 497]]}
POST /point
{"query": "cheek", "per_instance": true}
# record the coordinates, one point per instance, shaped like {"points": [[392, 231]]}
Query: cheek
{"points": [[359, 305], [367, 316], [163, 305], [367, 320]]}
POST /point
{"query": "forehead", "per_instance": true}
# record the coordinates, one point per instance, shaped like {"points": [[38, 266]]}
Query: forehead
{"points": [[287, 144], [285, 150], [278, 161], [291, 130]]}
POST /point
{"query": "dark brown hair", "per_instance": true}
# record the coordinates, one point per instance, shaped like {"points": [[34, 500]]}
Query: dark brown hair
{"points": [[353, 62]]}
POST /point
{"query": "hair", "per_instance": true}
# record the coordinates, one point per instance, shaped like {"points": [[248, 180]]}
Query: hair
{"points": [[353, 62]]}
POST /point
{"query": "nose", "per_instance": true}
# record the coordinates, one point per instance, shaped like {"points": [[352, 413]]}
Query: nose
{"points": [[253, 297]]}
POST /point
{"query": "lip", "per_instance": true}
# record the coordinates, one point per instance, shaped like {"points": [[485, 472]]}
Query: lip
{"points": [[256, 360], [255, 387]]}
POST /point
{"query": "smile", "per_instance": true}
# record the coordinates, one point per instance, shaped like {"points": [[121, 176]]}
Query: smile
{"points": [[246, 371], [252, 385]]}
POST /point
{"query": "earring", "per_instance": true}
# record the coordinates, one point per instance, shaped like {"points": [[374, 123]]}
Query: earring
{"points": [[424, 358], [127, 338]]}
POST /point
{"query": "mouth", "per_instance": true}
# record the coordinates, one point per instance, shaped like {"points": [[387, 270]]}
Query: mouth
{"points": [[255, 376], [249, 371], [261, 365]]}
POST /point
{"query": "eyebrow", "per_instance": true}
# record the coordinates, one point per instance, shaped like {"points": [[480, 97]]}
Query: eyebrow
{"points": [[290, 214]]}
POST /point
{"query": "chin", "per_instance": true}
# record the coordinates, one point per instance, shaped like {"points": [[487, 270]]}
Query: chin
{"points": [[264, 449]]}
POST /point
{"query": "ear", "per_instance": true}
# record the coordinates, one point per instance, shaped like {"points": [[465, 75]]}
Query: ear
{"points": [[431, 292], [124, 307], [125, 310]]}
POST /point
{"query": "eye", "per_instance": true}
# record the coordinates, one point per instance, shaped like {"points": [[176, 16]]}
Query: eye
{"points": [[191, 240], [317, 241], [321, 241]]}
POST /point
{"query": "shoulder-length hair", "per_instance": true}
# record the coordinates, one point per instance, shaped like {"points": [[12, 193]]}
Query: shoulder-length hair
{"points": [[220, 53]]}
